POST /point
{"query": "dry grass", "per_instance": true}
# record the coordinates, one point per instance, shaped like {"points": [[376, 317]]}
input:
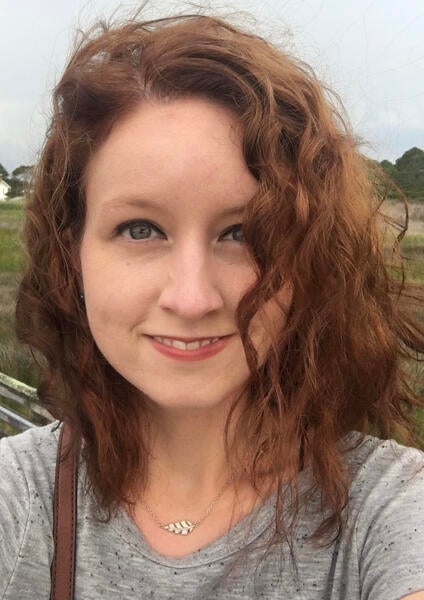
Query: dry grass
{"points": [[396, 211]]}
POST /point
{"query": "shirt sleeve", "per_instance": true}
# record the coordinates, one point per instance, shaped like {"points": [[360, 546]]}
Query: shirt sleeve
{"points": [[390, 525], [14, 512]]}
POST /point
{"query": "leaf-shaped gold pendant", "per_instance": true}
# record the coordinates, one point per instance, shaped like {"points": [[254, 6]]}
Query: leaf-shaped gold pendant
{"points": [[179, 527]]}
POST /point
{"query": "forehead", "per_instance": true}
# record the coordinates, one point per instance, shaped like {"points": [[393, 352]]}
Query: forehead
{"points": [[171, 152]]}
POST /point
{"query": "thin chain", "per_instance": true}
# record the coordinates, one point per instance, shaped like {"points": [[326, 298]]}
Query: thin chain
{"points": [[199, 521]]}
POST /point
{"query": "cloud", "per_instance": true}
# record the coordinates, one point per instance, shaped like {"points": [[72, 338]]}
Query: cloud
{"points": [[387, 118], [369, 53], [20, 132]]}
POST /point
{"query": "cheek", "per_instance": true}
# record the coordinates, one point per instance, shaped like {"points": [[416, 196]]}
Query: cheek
{"points": [[238, 282], [115, 292]]}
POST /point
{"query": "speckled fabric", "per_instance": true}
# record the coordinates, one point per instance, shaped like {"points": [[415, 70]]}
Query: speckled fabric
{"points": [[380, 557]]}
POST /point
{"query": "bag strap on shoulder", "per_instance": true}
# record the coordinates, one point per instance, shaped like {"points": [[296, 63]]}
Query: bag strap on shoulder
{"points": [[64, 518]]}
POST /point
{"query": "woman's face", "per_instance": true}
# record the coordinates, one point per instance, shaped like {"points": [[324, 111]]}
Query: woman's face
{"points": [[161, 253]]}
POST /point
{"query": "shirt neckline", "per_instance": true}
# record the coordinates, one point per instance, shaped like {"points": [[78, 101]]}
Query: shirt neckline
{"points": [[240, 536]]}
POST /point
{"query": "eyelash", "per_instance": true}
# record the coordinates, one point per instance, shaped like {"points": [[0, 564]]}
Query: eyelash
{"points": [[128, 224]]}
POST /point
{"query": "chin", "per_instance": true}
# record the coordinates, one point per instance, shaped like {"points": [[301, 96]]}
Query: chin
{"points": [[189, 401]]}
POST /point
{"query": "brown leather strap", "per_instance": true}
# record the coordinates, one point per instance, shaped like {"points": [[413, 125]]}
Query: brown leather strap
{"points": [[64, 518]]}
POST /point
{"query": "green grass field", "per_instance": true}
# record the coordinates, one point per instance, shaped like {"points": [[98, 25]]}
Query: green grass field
{"points": [[11, 259], [16, 360]]}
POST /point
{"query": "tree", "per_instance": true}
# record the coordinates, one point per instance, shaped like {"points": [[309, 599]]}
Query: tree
{"points": [[19, 180], [3, 172], [408, 173], [411, 160], [22, 175], [388, 167], [22, 172], [16, 187]]}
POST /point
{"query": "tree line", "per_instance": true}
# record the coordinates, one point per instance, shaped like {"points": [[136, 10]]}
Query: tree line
{"points": [[18, 179], [407, 172]]}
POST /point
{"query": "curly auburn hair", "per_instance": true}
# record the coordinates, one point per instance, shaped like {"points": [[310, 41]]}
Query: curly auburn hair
{"points": [[339, 362]]}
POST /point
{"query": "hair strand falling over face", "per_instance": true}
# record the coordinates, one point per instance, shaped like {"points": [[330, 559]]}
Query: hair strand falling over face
{"points": [[341, 361]]}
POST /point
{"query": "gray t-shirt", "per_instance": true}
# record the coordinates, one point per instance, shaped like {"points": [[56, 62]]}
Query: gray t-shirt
{"points": [[380, 556]]}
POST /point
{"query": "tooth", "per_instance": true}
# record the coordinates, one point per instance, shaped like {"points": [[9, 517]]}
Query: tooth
{"points": [[182, 345], [193, 345], [165, 341], [178, 344]]}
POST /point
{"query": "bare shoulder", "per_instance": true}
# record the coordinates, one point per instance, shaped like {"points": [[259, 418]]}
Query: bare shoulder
{"points": [[414, 596]]}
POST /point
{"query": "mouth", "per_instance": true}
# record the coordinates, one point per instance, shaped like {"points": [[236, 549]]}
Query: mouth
{"points": [[186, 343], [195, 349]]}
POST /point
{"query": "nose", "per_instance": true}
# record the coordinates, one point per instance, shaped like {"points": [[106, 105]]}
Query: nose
{"points": [[191, 290]]}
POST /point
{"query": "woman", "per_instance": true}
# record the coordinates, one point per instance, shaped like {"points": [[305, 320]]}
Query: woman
{"points": [[207, 286]]}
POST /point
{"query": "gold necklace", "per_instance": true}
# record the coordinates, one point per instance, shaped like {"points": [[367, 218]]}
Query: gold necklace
{"points": [[184, 526]]}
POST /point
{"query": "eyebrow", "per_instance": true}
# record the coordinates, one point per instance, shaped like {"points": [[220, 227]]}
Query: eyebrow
{"points": [[118, 203]]}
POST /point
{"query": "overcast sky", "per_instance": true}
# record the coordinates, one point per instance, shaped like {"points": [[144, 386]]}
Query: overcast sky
{"points": [[371, 52]]}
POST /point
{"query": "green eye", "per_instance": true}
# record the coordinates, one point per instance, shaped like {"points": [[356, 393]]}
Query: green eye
{"points": [[238, 231], [137, 230], [143, 230]]}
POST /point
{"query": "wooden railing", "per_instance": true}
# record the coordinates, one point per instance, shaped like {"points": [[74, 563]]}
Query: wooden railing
{"points": [[19, 407]]}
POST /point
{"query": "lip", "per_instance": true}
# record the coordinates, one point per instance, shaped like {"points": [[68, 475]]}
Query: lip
{"points": [[190, 355], [187, 340]]}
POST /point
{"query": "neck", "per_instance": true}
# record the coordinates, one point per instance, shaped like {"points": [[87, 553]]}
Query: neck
{"points": [[188, 455]]}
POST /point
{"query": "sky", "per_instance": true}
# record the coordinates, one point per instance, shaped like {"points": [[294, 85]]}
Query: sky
{"points": [[370, 52]]}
